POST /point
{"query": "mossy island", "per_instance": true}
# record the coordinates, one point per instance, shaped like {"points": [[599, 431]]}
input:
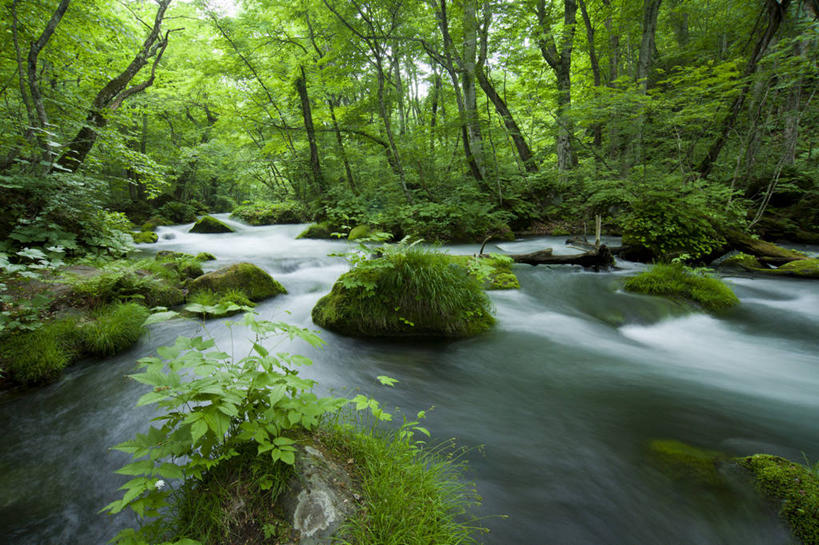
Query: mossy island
{"points": [[246, 278], [681, 283], [209, 224], [406, 292]]}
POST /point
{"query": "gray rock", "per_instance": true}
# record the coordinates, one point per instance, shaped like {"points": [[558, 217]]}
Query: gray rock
{"points": [[320, 497]]}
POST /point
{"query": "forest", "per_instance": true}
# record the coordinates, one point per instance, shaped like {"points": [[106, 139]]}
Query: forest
{"points": [[355, 149]]}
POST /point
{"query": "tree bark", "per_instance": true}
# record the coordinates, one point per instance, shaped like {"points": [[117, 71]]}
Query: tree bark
{"points": [[597, 128], [307, 115], [651, 9], [600, 257], [115, 92]]}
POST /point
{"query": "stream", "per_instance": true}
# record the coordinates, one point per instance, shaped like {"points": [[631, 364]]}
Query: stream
{"points": [[557, 404]]}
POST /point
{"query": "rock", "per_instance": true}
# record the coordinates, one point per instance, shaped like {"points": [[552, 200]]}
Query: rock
{"points": [[318, 230], [320, 497], [209, 224], [245, 277], [805, 268], [683, 462], [205, 256], [145, 237]]}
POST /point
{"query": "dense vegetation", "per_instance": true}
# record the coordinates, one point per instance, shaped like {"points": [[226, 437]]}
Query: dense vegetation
{"points": [[443, 120]]}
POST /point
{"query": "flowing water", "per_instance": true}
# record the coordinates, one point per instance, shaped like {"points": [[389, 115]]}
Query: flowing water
{"points": [[557, 404]]}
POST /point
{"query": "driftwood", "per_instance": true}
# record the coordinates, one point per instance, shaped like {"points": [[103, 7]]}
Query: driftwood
{"points": [[601, 257]]}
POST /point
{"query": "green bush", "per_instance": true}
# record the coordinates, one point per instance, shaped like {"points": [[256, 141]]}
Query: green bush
{"points": [[319, 230], [39, 356], [145, 237], [269, 213], [178, 212], [452, 221], [407, 292], [113, 329], [154, 222], [678, 281]]}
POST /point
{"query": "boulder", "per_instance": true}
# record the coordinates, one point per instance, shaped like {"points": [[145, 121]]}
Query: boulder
{"points": [[245, 277], [209, 224], [145, 237], [318, 230]]}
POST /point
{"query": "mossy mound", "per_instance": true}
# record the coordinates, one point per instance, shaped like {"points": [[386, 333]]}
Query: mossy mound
{"points": [[743, 261], [209, 224], [205, 256], [683, 462], [318, 230], [407, 292], [793, 487], [800, 268], [269, 213], [804, 268], [494, 272], [679, 282], [145, 237], [246, 277], [359, 231]]}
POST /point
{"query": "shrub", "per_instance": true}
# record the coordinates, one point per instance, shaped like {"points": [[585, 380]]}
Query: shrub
{"points": [[178, 212], [268, 213], [677, 281], [407, 292], [113, 329]]}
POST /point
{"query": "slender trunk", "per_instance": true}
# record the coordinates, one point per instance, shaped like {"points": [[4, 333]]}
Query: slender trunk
{"points": [[399, 92], [651, 9], [521, 146], [597, 128], [776, 13], [436, 91], [347, 170], [470, 49], [392, 154], [307, 115]]}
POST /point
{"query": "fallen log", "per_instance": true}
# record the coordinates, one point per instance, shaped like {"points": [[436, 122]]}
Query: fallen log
{"points": [[766, 252], [601, 257]]}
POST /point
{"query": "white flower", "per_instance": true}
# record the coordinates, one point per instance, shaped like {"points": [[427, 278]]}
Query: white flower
{"points": [[160, 484]]}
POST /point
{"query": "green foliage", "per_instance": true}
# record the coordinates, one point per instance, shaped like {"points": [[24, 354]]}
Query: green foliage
{"points": [[145, 237], [39, 356], [680, 282], [457, 220], [494, 271], [408, 291], [209, 224], [270, 213], [359, 232], [178, 212], [245, 277], [29, 265], [793, 487], [208, 304], [221, 408], [318, 230], [154, 222], [113, 329]]}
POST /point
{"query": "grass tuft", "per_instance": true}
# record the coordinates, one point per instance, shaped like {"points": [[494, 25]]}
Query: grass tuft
{"points": [[677, 281], [39, 356], [113, 329]]}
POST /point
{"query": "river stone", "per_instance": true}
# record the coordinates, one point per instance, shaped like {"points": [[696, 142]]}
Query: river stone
{"points": [[246, 277], [319, 499], [209, 224]]}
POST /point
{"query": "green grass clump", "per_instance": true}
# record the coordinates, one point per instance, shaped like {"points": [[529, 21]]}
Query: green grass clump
{"points": [[39, 356], [145, 237], [245, 277], [113, 329], [209, 224], [221, 300], [269, 213], [407, 292], [677, 281], [410, 495], [795, 488]]}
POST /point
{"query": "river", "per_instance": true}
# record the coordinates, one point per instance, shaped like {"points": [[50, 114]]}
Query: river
{"points": [[556, 404]]}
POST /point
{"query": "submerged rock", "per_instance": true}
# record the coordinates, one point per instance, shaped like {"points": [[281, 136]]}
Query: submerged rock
{"points": [[209, 224], [683, 462], [255, 283]]}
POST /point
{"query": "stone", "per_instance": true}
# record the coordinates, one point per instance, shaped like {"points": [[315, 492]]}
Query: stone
{"points": [[209, 224], [255, 283]]}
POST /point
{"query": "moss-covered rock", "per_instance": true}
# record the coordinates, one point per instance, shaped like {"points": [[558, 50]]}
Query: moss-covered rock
{"points": [[269, 213], [407, 292], [145, 237], [804, 268], [359, 231], [209, 224], [679, 282], [154, 222], [683, 462], [250, 279], [743, 261], [793, 487], [205, 256], [318, 230]]}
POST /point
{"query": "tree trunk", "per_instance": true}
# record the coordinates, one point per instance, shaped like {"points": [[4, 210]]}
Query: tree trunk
{"points": [[651, 9], [307, 115], [597, 128], [468, 67], [342, 151], [600, 257]]}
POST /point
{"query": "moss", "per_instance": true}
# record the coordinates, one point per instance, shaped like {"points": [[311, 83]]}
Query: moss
{"points": [[804, 268], [154, 222], [205, 256], [248, 278], [318, 230], [413, 292], [683, 462], [184, 266], [359, 231], [145, 237], [679, 282], [39, 356], [793, 487], [153, 282], [493, 272], [209, 224], [743, 261], [221, 302], [113, 329]]}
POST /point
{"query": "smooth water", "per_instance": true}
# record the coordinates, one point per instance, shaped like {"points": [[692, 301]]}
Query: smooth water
{"points": [[557, 404]]}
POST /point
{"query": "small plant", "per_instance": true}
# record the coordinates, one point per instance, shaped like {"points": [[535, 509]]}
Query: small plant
{"points": [[113, 329]]}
